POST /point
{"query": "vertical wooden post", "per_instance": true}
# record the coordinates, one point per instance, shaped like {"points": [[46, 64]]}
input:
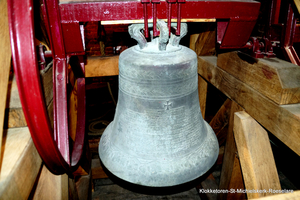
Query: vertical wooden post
{"points": [[5, 58], [231, 175], [51, 186], [256, 157]]}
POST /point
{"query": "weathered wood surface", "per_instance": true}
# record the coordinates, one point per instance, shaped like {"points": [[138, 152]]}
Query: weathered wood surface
{"points": [[14, 113], [5, 58], [50, 186], [97, 170], [231, 174], [208, 184], [20, 165], [102, 66], [281, 120], [206, 42], [256, 156], [220, 121], [288, 196], [297, 3], [84, 187], [276, 79]]}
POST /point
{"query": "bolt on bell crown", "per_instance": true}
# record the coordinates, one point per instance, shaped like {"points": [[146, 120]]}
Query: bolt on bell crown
{"points": [[158, 137]]}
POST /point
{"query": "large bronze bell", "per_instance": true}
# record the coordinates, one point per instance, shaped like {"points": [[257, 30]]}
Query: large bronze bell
{"points": [[158, 136]]}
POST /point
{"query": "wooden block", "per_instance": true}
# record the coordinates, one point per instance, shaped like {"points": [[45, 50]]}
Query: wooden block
{"points": [[50, 186], [20, 165], [84, 187], [221, 155], [297, 3], [202, 91], [5, 57], [73, 194], [14, 118], [220, 121], [193, 40], [231, 175], [13, 98], [97, 170], [206, 41], [276, 79], [282, 121], [14, 113], [288, 196], [256, 156], [208, 183], [47, 83], [102, 66]]}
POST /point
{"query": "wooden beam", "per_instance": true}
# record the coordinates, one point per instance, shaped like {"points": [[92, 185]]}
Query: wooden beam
{"points": [[231, 175], [50, 186], [20, 165], [297, 3], [193, 40], [84, 187], [14, 118], [208, 183], [220, 121], [256, 157], [14, 112], [5, 59], [281, 120], [274, 78], [288, 196], [102, 66], [97, 170], [206, 42]]}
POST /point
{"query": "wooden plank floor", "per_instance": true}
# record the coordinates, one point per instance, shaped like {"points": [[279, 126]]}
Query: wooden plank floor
{"points": [[105, 189]]}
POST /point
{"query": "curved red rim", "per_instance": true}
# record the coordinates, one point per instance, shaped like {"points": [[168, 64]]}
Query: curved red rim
{"points": [[28, 80]]}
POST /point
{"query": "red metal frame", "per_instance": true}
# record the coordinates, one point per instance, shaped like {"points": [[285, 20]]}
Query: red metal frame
{"points": [[288, 37], [236, 20], [52, 145], [240, 16]]}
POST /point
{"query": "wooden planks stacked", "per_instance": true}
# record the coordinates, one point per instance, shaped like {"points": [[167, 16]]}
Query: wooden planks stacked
{"points": [[22, 174], [260, 87], [274, 78], [20, 164], [281, 120]]}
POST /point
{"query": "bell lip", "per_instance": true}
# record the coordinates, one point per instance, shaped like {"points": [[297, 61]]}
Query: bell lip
{"points": [[213, 159], [155, 190]]}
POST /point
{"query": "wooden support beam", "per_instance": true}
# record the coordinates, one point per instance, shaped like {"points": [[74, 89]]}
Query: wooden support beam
{"points": [[5, 59], [220, 121], [20, 165], [206, 42], [97, 170], [211, 184], [50, 186], [297, 3], [256, 157], [281, 120], [274, 78], [102, 66], [84, 187], [231, 175], [288, 196]]}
